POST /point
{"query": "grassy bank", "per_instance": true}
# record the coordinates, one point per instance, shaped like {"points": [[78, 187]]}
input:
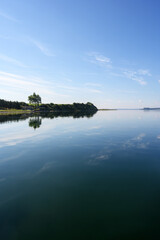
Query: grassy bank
{"points": [[13, 111]]}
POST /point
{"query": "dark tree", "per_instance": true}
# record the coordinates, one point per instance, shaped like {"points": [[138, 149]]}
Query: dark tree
{"points": [[35, 99]]}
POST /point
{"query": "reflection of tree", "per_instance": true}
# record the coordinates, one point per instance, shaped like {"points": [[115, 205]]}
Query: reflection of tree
{"points": [[12, 118], [76, 114], [35, 122]]}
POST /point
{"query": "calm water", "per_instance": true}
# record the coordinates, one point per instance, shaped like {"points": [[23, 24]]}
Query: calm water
{"points": [[96, 177]]}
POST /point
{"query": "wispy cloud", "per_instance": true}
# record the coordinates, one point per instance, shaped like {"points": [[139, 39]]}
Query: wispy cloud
{"points": [[136, 76], [93, 84], [126, 91], [5, 37], [11, 60], [79, 89], [94, 90], [70, 88], [21, 86], [7, 16], [115, 74], [105, 62], [44, 49], [144, 72], [99, 59]]}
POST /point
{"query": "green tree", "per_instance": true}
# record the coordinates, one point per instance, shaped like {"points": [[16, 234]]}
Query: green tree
{"points": [[35, 99]]}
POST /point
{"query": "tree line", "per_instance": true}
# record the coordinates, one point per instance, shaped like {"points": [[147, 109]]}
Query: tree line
{"points": [[11, 105], [35, 104]]}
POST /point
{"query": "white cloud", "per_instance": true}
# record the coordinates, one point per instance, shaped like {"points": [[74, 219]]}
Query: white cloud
{"points": [[6, 16], [126, 91], [102, 59], [93, 84], [94, 90], [12, 60], [79, 89], [144, 72], [70, 88], [136, 76], [41, 47], [99, 59], [140, 80], [116, 74]]}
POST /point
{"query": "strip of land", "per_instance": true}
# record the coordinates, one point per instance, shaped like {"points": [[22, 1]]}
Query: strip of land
{"points": [[22, 107]]}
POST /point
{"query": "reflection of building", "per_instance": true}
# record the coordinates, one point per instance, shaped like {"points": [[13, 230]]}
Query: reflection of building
{"points": [[35, 122]]}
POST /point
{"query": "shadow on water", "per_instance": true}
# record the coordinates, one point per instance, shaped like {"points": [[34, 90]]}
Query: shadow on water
{"points": [[35, 119]]}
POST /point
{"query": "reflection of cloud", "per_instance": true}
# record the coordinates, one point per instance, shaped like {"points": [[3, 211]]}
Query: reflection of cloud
{"points": [[103, 157], [2, 179], [11, 157], [92, 134], [136, 142], [95, 127], [12, 139], [111, 147], [139, 137], [158, 137], [9, 199], [15, 136], [142, 145], [95, 160], [45, 167]]}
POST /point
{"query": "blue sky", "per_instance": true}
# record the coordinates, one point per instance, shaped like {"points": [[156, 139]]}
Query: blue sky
{"points": [[103, 51]]}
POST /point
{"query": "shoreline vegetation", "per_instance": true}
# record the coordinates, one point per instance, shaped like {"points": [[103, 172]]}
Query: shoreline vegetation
{"points": [[11, 107], [21, 111], [107, 109]]}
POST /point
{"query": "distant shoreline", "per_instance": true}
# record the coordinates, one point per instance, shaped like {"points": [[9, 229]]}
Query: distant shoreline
{"points": [[107, 109], [151, 108]]}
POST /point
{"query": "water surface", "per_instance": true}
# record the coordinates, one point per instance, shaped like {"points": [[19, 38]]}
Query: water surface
{"points": [[81, 177]]}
